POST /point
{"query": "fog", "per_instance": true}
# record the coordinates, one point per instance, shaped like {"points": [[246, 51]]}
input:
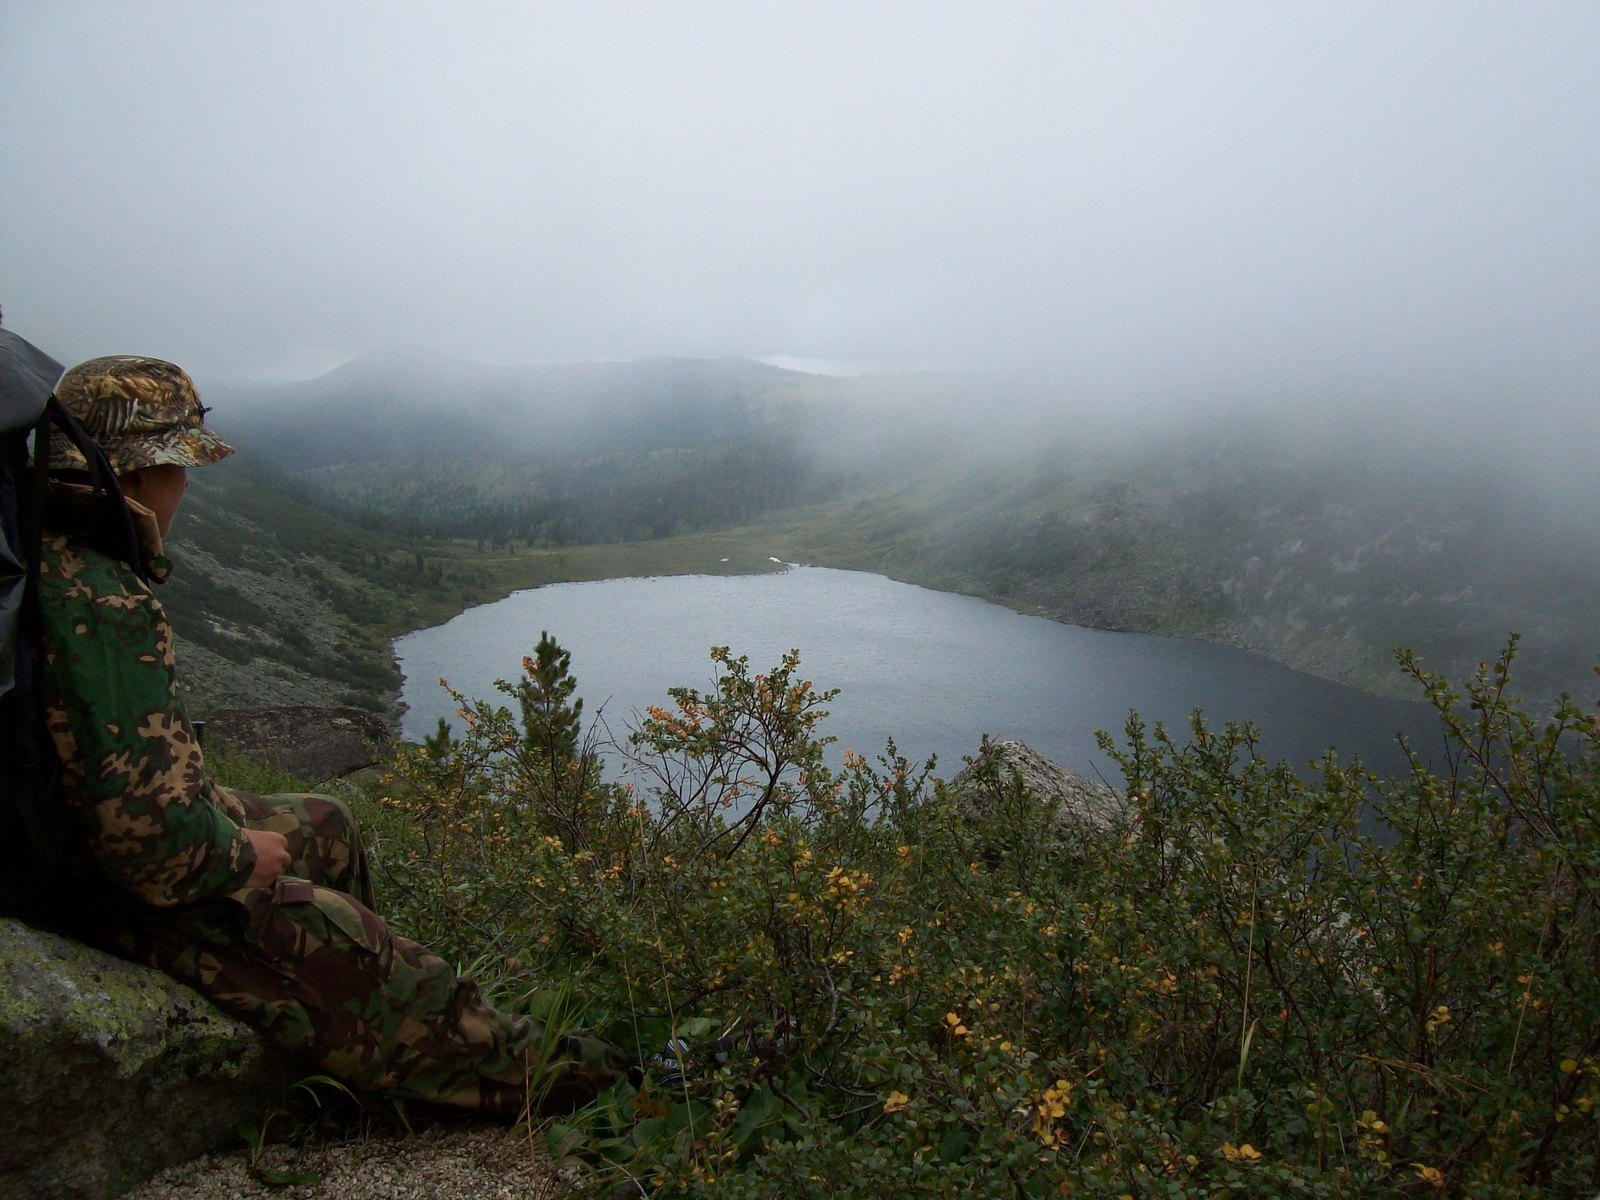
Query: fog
{"points": [[1352, 208]]}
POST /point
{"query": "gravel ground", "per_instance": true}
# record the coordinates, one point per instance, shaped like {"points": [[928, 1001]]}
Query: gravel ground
{"points": [[476, 1162]]}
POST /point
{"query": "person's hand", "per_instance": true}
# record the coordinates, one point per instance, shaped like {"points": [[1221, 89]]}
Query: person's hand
{"points": [[272, 856]]}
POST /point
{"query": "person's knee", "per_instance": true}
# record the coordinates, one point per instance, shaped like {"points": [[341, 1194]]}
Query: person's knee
{"points": [[338, 819], [321, 816]]}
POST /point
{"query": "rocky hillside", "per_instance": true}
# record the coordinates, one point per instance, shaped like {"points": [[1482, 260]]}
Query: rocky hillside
{"points": [[277, 602]]}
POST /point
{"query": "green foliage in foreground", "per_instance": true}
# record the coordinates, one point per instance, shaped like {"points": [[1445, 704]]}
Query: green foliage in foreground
{"points": [[1229, 991]]}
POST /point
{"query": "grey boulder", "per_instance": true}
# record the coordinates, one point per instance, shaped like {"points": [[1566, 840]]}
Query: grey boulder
{"points": [[110, 1071], [1082, 801]]}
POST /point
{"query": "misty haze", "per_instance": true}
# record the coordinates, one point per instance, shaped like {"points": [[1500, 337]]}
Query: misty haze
{"points": [[1048, 371], [1272, 328]]}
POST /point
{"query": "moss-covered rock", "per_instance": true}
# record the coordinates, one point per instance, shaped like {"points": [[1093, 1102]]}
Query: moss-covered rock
{"points": [[110, 1071]]}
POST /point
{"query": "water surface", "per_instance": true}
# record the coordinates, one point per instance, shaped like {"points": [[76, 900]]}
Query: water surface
{"points": [[931, 669]]}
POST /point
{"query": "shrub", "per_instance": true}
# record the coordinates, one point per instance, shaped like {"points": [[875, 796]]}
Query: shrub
{"points": [[1232, 990]]}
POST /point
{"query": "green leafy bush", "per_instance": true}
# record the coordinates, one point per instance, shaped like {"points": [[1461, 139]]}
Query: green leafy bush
{"points": [[901, 991]]}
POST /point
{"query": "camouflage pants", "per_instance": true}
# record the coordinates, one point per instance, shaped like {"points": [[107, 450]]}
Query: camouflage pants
{"points": [[310, 962]]}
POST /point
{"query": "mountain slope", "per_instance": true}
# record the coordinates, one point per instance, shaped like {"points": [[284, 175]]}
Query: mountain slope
{"points": [[1326, 562]]}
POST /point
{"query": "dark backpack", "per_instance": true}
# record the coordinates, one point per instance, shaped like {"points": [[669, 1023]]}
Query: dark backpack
{"points": [[34, 824]]}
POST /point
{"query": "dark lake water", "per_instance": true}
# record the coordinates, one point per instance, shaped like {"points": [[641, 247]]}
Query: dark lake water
{"points": [[931, 669]]}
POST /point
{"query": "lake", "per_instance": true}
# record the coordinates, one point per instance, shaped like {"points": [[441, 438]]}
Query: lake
{"points": [[931, 669]]}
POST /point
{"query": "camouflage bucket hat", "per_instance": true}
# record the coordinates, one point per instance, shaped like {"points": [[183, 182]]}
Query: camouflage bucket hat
{"points": [[142, 412]]}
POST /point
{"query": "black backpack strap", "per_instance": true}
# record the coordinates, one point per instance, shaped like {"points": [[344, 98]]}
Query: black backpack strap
{"points": [[112, 523]]}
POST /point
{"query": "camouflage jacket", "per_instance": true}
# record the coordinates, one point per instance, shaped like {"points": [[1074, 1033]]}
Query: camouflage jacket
{"points": [[132, 770]]}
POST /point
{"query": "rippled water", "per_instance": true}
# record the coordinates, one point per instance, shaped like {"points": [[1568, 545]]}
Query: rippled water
{"points": [[931, 669]]}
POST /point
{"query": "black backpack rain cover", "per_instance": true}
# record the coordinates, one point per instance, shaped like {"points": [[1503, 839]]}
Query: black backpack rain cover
{"points": [[33, 822]]}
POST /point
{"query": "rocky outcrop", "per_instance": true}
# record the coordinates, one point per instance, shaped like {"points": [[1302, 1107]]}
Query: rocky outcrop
{"points": [[312, 743], [1082, 801], [110, 1071]]}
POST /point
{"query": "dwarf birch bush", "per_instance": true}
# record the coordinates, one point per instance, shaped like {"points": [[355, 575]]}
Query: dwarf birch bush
{"points": [[1232, 989]]}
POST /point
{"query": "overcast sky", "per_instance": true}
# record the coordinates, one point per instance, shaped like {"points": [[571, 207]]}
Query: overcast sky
{"points": [[1151, 200]]}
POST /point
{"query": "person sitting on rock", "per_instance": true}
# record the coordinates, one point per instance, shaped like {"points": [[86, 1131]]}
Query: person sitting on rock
{"points": [[261, 903]]}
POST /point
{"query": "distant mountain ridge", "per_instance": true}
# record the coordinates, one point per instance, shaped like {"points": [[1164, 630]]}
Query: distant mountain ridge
{"points": [[414, 405]]}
